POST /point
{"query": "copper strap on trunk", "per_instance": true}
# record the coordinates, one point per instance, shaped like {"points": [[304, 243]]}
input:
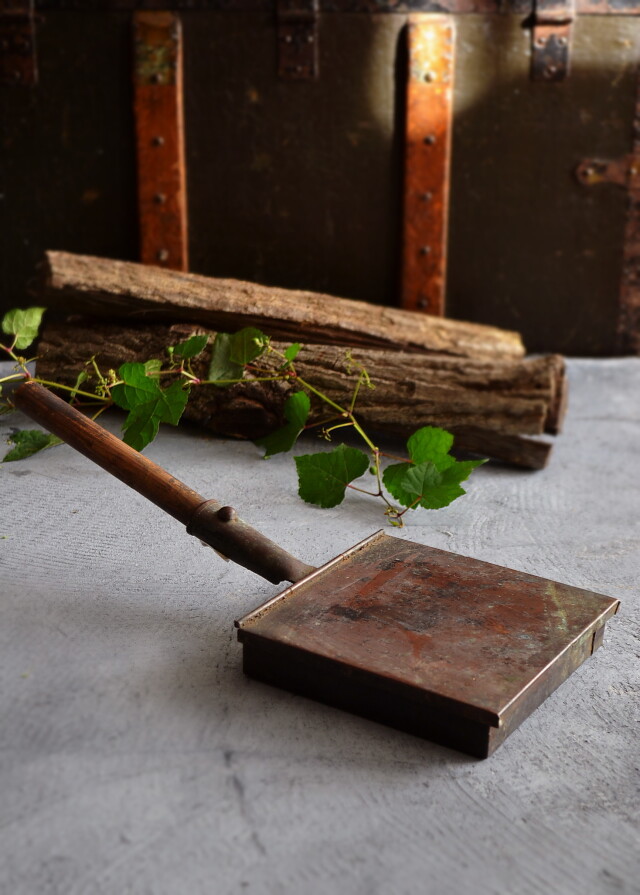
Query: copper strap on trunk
{"points": [[427, 162], [162, 199]]}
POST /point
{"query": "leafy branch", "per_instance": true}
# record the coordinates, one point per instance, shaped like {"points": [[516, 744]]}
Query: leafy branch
{"points": [[157, 392]]}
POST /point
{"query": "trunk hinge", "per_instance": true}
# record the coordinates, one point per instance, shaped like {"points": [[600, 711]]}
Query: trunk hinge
{"points": [[297, 39], [18, 66], [551, 39]]}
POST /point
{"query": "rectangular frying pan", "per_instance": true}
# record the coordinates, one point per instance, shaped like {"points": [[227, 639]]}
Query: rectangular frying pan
{"points": [[442, 646]]}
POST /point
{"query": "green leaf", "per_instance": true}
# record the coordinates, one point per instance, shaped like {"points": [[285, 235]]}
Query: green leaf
{"points": [[147, 403], [247, 345], [24, 324], [432, 478], [82, 377], [392, 478], [135, 388], [433, 489], [292, 351], [141, 425], [438, 488], [28, 442], [426, 485], [296, 411], [429, 443], [323, 477], [152, 366], [221, 366], [230, 353], [193, 346]]}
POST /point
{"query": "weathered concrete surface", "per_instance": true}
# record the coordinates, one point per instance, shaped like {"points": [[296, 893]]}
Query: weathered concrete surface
{"points": [[136, 758]]}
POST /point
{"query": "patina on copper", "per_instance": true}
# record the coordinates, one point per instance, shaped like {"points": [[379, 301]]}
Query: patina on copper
{"points": [[443, 646]]}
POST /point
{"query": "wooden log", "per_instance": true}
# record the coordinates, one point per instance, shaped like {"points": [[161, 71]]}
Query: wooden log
{"points": [[488, 406], [122, 290]]}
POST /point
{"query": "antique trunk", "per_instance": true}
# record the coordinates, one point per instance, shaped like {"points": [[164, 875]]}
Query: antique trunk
{"points": [[468, 157]]}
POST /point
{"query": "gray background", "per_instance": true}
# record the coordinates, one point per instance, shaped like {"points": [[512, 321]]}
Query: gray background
{"points": [[136, 758]]}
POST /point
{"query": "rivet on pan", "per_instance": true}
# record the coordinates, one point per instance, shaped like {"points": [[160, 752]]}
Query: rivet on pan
{"points": [[550, 71], [159, 198], [426, 197], [155, 78], [429, 77], [309, 38], [425, 250], [226, 514], [162, 255], [423, 302], [287, 38], [541, 41], [158, 141], [562, 41], [430, 140]]}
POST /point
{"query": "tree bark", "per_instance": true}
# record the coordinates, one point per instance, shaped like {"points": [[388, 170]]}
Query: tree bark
{"points": [[122, 290], [488, 406]]}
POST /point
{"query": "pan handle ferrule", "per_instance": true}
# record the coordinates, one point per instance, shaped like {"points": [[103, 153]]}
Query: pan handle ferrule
{"points": [[221, 528]]}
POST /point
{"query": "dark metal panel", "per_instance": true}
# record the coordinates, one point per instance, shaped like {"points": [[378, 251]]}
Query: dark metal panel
{"points": [[628, 324], [624, 172], [18, 65], [67, 154], [402, 7], [296, 185], [531, 249]]}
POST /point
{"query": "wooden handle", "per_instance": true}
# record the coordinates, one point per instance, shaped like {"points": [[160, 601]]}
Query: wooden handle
{"points": [[109, 452], [218, 526]]}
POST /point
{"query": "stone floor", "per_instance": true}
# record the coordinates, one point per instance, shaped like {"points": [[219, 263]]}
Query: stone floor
{"points": [[135, 757]]}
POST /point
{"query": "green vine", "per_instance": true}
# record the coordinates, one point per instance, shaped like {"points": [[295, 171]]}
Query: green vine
{"points": [[157, 392]]}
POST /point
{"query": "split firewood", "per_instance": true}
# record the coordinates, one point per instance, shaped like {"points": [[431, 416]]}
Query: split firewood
{"points": [[123, 290], [489, 406]]}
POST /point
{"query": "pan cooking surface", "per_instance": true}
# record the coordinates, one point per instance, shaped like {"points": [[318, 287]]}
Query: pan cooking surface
{"points": [[471, 637]]}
